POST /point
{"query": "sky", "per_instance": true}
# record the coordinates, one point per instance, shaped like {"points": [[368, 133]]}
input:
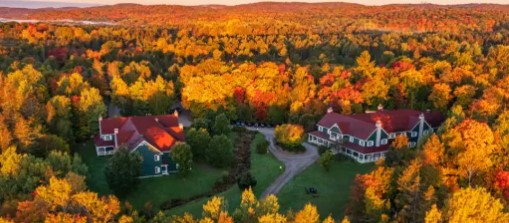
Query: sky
{"points": [[31, 4]]}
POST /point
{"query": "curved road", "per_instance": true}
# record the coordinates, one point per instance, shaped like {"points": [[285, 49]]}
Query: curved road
{"points": [[294, 163]]}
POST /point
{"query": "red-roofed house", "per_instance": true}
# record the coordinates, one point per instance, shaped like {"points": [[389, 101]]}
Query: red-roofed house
{"points": [[152, 137], [366, 137]]}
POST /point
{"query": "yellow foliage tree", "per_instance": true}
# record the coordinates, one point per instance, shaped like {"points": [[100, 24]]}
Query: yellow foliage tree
{"points": [[10, 161], [433, 215], [308, 214], [474, 205]]}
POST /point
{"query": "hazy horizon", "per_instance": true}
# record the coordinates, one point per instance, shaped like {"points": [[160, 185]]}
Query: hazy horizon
{"points": [[90, 3]]}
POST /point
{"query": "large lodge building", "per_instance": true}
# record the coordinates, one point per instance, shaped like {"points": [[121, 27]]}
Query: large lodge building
{"points": [[366, 137]]}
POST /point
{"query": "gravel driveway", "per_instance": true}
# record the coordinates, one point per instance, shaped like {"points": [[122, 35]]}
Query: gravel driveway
{"points": [[294, 163]]}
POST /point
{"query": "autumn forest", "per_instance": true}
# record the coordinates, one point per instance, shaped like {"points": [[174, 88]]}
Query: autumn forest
{"points": [[270, 63]]}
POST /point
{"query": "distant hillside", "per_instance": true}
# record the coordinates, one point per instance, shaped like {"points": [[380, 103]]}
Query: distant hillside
{"points": [[302, 16], [43, 4]]}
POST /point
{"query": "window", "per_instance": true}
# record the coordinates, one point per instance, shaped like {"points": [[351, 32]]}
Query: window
{"points": [[370, 143], [157, 157], [107, 138], [392, 136], [320, 128], [158, 169], [362, 142], [352, 139], [425, 132], [414, 134], [384, 141]]}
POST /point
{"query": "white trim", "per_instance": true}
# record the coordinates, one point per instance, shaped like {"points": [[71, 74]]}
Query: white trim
{"points": [[370, 143], [157, 157], [143, 142], [157, 170], [336, 125], [384, 141], [362, 143], [414, 134], [164, 169], [150, 176], [361, 157], [104, 151]]}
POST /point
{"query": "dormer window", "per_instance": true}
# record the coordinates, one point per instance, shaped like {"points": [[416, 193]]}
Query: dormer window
{"points": [[370, 143], [320, 128], [107, 138], [384, 141], [351, 139], [362, 143], [414, 134]]}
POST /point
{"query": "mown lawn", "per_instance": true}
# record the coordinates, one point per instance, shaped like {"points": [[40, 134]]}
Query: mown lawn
{"points": [[264, 167], [333, 188], [155, 190]]}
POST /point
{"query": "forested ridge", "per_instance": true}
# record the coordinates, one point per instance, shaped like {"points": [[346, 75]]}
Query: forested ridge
{"points": [[270, 63]]}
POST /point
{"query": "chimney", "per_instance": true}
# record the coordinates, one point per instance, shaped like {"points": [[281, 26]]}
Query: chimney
{"points": [[380, 107], [115, 132], [330, 110], [378, 133], [100, 129], [176, 113], [421, 124]]}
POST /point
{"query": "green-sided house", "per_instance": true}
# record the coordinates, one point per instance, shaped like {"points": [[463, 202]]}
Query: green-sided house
{"points": [[366, 137], [153, 137]]}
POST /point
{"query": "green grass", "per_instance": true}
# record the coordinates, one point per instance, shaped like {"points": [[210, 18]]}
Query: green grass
{"points": [[96, 180], [333, 188], [264, 167], [155, 190]]}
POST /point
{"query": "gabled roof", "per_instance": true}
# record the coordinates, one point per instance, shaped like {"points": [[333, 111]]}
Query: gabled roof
{"points": [[161, 131], [362, 125]]}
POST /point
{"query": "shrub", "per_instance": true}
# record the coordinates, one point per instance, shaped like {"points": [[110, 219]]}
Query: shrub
{"points": [[322, 149], [262, 147], [181, 154], [220, 151], [221, 125], [326, 160], [246, 181], [199, 140], [290, 137], [122, 171]]}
